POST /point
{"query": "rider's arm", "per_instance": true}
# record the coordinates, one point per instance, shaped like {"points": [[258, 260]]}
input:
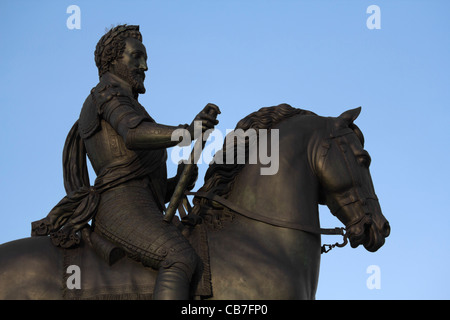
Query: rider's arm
{"points": [[137, 130]]}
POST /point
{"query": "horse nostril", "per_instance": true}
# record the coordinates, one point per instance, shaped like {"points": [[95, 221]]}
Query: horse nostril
{"points": [[386, 229]]}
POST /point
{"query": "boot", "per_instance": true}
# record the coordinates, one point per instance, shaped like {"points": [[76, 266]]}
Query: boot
{"points": [[172, 284]]}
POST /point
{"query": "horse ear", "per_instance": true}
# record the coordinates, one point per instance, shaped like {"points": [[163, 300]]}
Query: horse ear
{"points": [[350, 115]]}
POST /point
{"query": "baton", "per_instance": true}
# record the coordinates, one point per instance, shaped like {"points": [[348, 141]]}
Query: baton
{"points": [[187, 173]]}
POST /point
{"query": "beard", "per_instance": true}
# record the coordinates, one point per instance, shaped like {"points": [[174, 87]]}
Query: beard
{"points": [[135, 77]]}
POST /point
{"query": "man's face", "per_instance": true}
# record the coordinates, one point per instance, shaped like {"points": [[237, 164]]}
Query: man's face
{"points": [[132, 65]]}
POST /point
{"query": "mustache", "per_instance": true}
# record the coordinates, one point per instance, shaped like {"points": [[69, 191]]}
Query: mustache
{"points": [[139, 73]]}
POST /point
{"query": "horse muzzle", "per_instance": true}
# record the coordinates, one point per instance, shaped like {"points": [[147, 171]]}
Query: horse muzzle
{"points": [[370, 231]]}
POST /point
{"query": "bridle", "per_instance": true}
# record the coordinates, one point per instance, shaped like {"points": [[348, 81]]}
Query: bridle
{"points": [[354, 196], [273, 221]]}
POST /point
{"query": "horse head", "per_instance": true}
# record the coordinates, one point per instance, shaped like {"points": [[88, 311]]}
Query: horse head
{"points": [[346, 184]]}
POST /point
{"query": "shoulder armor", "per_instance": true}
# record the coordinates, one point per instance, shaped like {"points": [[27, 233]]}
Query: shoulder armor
{"points": [[122, 109], [103, 93], [93, 107]]}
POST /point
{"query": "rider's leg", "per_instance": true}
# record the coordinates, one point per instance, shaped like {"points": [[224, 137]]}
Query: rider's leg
{"points": [[174, 276]]}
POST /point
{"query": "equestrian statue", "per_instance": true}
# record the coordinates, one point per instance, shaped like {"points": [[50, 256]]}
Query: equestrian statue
{"points": [[247, 235]]}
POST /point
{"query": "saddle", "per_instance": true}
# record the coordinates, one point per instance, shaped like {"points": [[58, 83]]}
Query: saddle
{"points": [[107, 274]]}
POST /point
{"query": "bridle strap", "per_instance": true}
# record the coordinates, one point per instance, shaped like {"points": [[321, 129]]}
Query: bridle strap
{"points": [[268, 220]]}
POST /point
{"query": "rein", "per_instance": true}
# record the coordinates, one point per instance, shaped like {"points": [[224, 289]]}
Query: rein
{"points": [[276, 222]]}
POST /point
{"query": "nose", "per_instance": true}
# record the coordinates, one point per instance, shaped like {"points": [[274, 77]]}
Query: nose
{"points": [[143, 65], [386, 229]]}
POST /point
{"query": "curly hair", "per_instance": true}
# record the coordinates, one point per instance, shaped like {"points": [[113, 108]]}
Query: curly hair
{"points": [[112, 45]]}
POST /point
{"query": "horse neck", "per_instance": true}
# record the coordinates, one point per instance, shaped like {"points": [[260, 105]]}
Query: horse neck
{"points": [[292, 193]]}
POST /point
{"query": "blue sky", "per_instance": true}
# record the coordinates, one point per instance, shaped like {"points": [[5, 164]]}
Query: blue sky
{"points": [[244, 55]]}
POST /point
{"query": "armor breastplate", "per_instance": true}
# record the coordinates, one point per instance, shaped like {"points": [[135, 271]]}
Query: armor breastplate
{"points": [[105, 147]]}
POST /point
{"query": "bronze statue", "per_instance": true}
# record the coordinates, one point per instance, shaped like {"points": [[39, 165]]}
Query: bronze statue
{"points": [[127, 150], [248, 236]]}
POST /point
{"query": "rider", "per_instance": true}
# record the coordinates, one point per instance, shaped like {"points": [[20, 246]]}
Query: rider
{"points": [[127, 150]]}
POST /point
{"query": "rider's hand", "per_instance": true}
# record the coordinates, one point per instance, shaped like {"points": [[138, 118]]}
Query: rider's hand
{"points": [[207, 117]]}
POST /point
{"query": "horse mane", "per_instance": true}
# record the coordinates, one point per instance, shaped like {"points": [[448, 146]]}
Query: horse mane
{"points": [[220, 176]]}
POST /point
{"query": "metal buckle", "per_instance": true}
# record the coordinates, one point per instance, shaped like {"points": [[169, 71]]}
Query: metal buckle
{"points": [[327, 247]]}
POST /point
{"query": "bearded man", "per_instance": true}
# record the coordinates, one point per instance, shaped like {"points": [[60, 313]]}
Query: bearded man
{"points": [[127, 150]]}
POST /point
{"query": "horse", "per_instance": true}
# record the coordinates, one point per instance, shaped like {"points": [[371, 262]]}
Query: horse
{"points": [[263, 230]]}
